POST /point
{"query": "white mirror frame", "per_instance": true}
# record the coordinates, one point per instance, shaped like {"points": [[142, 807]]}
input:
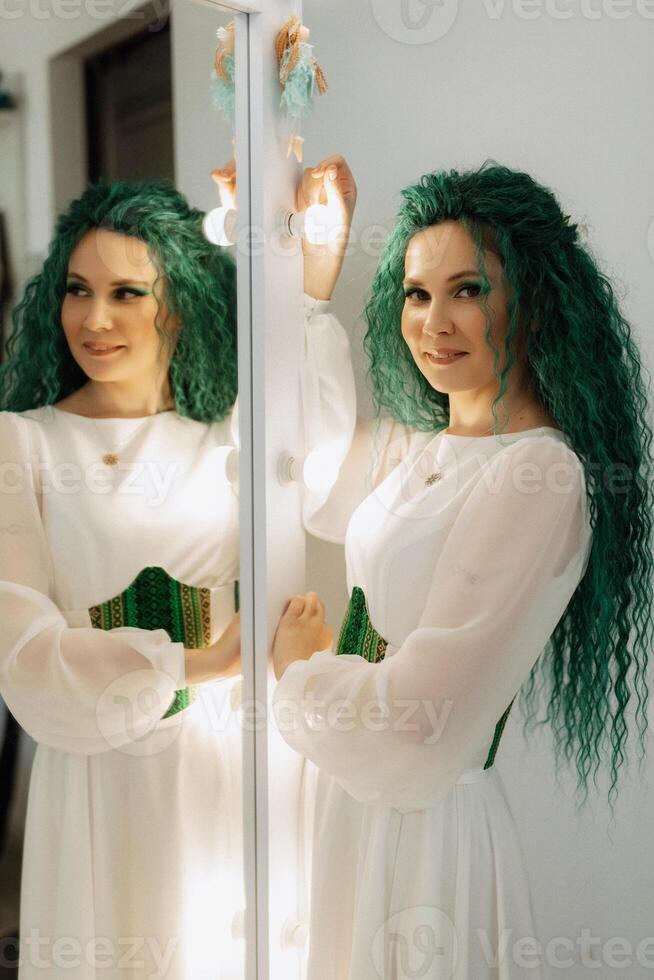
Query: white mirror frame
{"points": [[272, 552], [252, 501]]}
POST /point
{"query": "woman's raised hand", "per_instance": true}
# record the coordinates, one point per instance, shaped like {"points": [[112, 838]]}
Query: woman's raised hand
{"points": [[301, 632], [322, 263], [225, 177]]}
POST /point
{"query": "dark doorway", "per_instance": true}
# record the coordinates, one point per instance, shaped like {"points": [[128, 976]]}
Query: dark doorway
{"points": [[129, 109]]}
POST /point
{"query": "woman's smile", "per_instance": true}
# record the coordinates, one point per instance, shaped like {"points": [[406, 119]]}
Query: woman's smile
{"points": [[444, 359], [98, 351]]}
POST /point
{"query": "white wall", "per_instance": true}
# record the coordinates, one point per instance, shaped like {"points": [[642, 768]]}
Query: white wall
{"points": [[203, 139], [27, 43], [569, 100]]}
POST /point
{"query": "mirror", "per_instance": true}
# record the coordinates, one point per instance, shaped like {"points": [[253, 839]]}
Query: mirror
{"points": [[119, 522], [443, 837]]}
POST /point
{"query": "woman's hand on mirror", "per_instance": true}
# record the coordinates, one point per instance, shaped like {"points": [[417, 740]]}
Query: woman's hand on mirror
{"points": [[301, 632], [322, 263], [226, 180], [220, 660]]}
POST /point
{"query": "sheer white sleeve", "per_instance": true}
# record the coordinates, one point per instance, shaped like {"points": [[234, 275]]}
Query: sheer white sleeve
{"points": [[361, 451], [79, 689], [399, 733]]}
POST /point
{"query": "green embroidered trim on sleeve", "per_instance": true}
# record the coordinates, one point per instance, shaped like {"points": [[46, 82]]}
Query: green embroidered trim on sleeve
{"points": [[155, 600]]}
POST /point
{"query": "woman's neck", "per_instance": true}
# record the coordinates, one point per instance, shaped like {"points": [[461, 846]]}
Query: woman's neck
{"points": [[104, 401]]}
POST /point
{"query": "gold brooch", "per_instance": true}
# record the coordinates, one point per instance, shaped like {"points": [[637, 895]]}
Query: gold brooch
{"points": [[432, 478]]}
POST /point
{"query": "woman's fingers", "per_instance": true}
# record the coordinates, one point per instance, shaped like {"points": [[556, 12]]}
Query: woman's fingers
{"points": [[309, 603], [305, 606], [310, 191], [335, 159], [316, 187], [343, 173], [225, 178], [313, 606], [228, 170], [294, 607]]}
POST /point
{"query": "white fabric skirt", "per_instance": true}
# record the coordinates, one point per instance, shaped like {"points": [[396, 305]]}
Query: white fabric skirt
{"points": [[132, 861], [436, 894]]}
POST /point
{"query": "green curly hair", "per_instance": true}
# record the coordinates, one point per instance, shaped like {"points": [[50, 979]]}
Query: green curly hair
{"points": [[198, 282], [584, 368]]}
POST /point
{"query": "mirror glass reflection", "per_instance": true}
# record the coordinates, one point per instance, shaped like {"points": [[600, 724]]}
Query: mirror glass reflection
{"points": [[119, 544]]}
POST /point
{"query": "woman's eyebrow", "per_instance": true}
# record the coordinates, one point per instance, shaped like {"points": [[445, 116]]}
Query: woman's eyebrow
{"points": [[116, 282], [457, 275]]}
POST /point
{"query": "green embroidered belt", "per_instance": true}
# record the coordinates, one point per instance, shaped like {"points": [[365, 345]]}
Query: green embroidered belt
{"points": [[155, 600], [358, 636]]}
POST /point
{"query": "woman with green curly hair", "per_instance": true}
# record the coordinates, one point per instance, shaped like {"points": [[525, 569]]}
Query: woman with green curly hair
{"points": [[485, 550], [119, 584]]}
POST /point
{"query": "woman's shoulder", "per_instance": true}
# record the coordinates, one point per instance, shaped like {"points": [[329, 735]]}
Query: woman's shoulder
{"points": [[29, 428], [23, 433], [399, 438], [25, 411], [540, 442], [39, 414], [540, 459]]}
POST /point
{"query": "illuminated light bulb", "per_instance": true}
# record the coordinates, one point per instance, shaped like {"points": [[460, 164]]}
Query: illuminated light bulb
{"points": [[294, 934], [288, 469], [317, 223], [318, 470], [219, 226], [232, 465], [229, 458], [234, 427]]}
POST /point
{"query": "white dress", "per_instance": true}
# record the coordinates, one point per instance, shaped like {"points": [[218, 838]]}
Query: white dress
{"points": [[132, 858], [416, 867]]}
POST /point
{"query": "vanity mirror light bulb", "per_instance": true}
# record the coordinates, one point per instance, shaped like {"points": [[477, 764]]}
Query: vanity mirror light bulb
{"points": [[318, 470], [232, 460], [316, 223], [219, 226], [229, 458], [234, 429], [294, 934]]}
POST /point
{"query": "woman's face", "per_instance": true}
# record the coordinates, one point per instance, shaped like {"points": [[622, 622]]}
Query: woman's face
{"points": [[109, 302], [442, 310]]}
